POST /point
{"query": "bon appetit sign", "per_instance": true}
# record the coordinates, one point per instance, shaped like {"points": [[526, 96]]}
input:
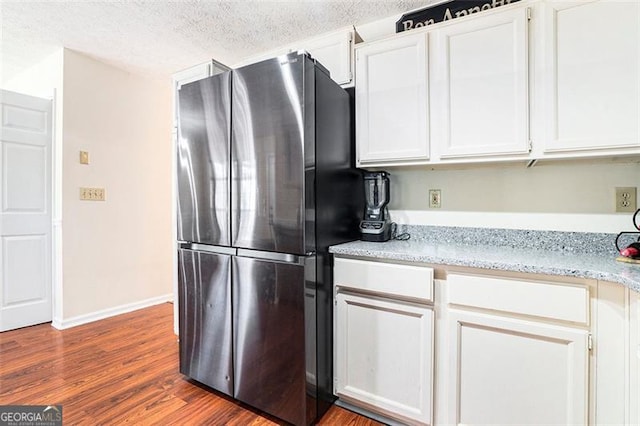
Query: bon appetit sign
{"points": [[445, 12]]}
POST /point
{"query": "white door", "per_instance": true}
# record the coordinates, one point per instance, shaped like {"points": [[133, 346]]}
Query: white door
{"points": [[506, 371], [392, 100], [480, 86], [25, 215], [384, 356]]}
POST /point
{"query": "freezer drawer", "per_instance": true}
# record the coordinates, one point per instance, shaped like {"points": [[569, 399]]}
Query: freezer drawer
{"points": [[204, 281], [269, 338]]}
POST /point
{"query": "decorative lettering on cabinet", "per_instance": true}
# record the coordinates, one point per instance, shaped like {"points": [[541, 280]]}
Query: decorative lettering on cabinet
{"points": [[445, 12]]}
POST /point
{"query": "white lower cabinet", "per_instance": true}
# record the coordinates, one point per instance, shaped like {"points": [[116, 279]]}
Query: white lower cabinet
{"points": [[384, 357], [474, 347], [384, 338], [510, 371], [634, 357], [518, 351]]}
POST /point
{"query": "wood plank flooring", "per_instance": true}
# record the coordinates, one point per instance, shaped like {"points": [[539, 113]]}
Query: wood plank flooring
{"points": [[119, 370]]}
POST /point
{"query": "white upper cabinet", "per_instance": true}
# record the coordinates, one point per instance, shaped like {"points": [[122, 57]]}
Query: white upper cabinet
{"points": [[480, 86], [392, 100], [592, 87], [196, 72], [334, 51]]}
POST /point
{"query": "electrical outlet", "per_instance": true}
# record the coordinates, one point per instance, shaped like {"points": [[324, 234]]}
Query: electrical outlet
{"points": [[435, 198], [626, 199], [92, 194]]}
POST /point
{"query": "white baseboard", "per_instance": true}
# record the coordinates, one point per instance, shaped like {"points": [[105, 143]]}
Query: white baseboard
{"points": [[565, 222], [62, 324]]}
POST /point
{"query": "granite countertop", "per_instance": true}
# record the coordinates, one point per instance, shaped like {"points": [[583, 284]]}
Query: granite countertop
{"points": [[574, 255]]}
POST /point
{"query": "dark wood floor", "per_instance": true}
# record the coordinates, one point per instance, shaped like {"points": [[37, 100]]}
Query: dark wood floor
{"points": [[119, 370]]}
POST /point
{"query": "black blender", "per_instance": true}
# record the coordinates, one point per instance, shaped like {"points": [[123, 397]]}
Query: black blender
{"points": [[376, 225]]}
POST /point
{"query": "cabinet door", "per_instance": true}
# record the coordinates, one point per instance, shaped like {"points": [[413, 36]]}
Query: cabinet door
{"points": [[592, 90], [480, 86], [384, 356], [333, 51], [508, 371], [634, 357], [391, 100]]}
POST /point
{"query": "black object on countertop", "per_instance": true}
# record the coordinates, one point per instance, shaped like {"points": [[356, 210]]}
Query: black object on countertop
{"points": [[625, 252]]}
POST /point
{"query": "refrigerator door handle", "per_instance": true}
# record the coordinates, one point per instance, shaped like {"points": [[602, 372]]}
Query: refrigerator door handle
{"points": [[209, 249], [276, 257]]}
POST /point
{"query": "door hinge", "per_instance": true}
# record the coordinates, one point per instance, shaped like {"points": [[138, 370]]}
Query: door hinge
{"points": [[590, 342], [528, 14], [530, 145]]}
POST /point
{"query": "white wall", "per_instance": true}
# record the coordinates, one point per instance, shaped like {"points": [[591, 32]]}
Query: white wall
{"points": [[119, 251]]}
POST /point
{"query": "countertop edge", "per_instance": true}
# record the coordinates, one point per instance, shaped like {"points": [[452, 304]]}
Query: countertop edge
{"points": [[629, 282]]}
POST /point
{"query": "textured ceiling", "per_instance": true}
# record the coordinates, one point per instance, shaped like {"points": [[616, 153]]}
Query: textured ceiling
{"points": [[158, 38]]}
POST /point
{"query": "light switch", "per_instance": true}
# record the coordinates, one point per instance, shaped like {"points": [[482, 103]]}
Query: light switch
{"points": [[84, 157]]}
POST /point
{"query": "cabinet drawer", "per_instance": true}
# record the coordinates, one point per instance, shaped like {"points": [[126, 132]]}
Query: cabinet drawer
{"points": [[562, 302], [406, 281]]}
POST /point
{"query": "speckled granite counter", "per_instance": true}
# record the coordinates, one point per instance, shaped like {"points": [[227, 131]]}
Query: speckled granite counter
{"points": [[574, 255]]}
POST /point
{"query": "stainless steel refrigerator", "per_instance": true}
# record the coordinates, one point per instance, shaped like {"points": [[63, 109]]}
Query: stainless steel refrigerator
{"points": [[265, 184]]}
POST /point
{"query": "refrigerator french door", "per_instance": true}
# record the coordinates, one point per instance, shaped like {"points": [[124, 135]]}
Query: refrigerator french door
{"points": [[272, 157], [206, 353], [203, 169], [271, 315]]}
